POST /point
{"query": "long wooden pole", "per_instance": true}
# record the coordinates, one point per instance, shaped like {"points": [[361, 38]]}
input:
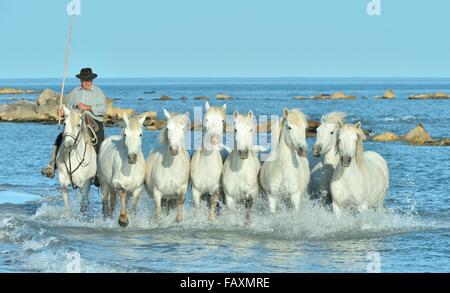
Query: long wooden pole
{"points": [[69, 40]]}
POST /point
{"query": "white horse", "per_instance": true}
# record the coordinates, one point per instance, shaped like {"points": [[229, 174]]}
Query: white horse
{"points": [[285, 173], [325, 146], [361, 179], [121, 168], [206, 163], [167, 167], [241, 168], [76, 160]]}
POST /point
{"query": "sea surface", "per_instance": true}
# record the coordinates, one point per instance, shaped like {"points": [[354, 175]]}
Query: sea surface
{"points": [[411, 235]]}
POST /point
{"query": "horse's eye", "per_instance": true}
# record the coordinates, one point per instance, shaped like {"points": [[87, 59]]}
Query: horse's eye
{"points": [[140, 135], [290, 128], [124, 134], [235, 130], [79, 125], [332, 132]]}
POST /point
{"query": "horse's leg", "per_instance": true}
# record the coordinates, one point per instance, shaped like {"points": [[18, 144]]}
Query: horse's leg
{"points": [[230, 201], [136, 196], [272, 204], [85, 196], [123, 219], [196, 194], [295, 201], [336, 210], [180, 208], [213, 207], [248, 209], [157, 196], [65, 194], [112, 202], [105, 207]]}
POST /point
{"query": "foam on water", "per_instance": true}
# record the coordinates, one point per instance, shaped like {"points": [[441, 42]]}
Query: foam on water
{"points": [[44, 247], [313, 221]]}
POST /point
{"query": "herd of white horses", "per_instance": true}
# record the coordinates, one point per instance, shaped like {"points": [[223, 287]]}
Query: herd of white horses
{"points": [[347, 176]]}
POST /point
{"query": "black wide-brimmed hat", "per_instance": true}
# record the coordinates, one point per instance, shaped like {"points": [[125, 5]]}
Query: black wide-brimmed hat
{"points": [[86, 74]]}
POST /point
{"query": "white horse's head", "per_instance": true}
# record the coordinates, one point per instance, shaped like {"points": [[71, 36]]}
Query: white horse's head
{"points": [[243, 133], [294, 126], [213, 124], [350, 143], [173, 134], [327, 133], [132, 135], [73, 126]]}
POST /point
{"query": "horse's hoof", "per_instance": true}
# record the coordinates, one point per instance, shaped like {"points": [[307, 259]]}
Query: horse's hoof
{"points": [[123, 222], [179, 219]]}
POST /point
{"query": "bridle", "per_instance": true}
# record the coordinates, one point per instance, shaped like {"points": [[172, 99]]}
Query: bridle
{"points": [[77, 140]]}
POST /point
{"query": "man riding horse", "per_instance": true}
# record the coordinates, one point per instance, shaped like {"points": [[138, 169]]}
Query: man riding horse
{"points": [[92, 101]]}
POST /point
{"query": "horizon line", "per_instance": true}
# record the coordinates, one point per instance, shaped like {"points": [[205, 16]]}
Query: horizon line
{"points": [[242, 77]]}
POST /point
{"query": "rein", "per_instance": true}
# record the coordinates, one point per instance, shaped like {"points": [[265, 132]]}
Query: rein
{"points": [[69, 168]]}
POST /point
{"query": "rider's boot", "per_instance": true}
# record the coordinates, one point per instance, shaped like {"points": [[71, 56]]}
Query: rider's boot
{"points": [[49, 171]]}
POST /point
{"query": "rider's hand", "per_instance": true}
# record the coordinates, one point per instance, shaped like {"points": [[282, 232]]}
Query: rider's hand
{"points": [[85, 107], [60, 112]]}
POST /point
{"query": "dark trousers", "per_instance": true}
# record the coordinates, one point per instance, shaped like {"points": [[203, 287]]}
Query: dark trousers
{"points": [[100, 136]]}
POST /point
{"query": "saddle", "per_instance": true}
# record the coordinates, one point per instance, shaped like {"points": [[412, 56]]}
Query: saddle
{"points": [[91, 123]]}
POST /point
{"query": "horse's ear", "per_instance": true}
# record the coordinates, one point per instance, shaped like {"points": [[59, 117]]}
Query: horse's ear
{"points": [[142, 118], [186, 115], [166, 113], [322, 119], [207, 105], [285, 112], [358, 125], [250, 114], [236, 115], [224, 107], [340, 123], [66, 111]]}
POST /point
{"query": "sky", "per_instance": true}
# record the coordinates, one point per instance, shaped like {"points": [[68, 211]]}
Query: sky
{"points": [[226, 38]]}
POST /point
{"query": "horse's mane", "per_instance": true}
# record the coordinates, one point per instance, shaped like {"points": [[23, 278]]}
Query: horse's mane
{"points": [[295, 116], [359, 143], [162, 137], [219, 110], [75, 117], [334, 117]]}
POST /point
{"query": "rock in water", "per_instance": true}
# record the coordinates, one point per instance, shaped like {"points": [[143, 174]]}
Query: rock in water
{"points": [[418, 135], [335, 96], [48, 97], [201, 98], [435, 96], [223, 97], [114, 113], [165, 98], [387, 136], [388, 95], [341, 96], [11, 91]]}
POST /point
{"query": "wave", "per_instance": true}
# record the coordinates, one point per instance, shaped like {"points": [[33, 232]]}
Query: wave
{"points": [[48, 240], [408, 118]]}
